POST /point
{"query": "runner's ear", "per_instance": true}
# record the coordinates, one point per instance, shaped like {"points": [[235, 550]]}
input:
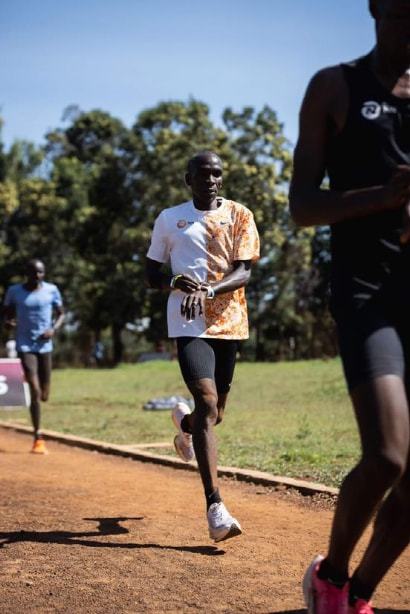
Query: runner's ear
{"points": [[187, 179]]}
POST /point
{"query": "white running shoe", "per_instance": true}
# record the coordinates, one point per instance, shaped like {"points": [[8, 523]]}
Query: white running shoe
{"points": [[182, 441], [221, 524]]}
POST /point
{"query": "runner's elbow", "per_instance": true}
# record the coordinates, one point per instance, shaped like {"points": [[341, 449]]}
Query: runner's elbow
{"points": [[299, 210]]}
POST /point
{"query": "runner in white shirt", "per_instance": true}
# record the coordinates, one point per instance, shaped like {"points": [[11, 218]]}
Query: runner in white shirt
{"points": [[209, 243]]}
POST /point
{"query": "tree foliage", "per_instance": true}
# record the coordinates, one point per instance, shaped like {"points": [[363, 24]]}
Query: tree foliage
{"points": [[86, 202]]}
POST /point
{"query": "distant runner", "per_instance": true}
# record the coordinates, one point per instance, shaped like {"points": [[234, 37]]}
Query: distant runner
{"points": [[210, 243], [29, 307], [355, 125]]}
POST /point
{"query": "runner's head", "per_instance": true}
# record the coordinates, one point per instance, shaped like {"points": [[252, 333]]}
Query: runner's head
{"points": [[35, 271], [204, 176], [392, 30]]}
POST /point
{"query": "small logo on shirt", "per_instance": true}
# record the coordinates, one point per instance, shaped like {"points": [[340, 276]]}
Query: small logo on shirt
{"points": [[222, 223], [372, 110], [181, 223]]}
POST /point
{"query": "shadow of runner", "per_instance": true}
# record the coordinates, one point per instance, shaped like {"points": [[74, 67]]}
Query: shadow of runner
{"points": [[106, 526]]}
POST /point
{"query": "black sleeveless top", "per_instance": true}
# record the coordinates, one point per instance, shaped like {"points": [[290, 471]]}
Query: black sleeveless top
{"points": [[366, 252]]}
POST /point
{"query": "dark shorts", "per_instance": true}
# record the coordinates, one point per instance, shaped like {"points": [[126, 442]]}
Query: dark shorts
{"points": [[374, 341], [36, 364], [214, 359]]}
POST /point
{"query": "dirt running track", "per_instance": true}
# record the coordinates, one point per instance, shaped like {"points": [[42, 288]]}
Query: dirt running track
{"points": [[83, 532]]}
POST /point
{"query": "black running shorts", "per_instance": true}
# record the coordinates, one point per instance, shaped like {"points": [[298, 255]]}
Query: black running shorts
{"points": [[214, 359], [374, 340]]}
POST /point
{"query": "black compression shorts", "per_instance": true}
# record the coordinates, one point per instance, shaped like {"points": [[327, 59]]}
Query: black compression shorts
{"points": [[374, 340], [214, 359]]}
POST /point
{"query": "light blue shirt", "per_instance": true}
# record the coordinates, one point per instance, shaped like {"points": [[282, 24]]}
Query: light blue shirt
{"points": [[34, 315]]}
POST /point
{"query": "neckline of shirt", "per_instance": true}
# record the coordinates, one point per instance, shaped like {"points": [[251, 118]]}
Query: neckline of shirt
{"points": [[397, 100], [210, 211]]}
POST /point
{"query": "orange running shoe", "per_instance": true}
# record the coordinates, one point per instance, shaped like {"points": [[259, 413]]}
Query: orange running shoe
{"points": [[39, 447], [361, 607]]}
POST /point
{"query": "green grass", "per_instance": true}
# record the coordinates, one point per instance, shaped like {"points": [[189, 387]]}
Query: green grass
{"points": [[290, 418]]}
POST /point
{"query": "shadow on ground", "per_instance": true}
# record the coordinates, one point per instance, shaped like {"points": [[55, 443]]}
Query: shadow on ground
{"points": [[106, 526]]}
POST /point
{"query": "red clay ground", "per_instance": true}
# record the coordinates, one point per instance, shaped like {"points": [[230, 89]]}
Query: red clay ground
{"points": [[83, 532]]}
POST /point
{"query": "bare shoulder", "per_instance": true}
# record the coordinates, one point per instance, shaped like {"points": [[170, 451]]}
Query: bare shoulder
{"points": [[326, 100], [327, 87]]}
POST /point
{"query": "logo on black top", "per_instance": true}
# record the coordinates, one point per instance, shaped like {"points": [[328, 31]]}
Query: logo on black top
{"points": [[372, 110]]}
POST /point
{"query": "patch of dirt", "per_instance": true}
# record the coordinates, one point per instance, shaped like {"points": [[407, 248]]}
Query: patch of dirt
{"points": [[83, 532]]}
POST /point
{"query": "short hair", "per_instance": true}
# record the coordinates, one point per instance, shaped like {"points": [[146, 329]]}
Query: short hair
{"points": [[33, 262], [192, 162]]}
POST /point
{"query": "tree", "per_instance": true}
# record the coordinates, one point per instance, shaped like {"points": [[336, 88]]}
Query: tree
{"points": [[95, 167]]}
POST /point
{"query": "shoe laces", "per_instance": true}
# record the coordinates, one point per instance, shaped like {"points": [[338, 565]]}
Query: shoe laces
{"points": [[217, 512]]}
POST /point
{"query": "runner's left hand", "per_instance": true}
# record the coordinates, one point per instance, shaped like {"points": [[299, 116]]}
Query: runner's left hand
{"points": [[192, 305]]}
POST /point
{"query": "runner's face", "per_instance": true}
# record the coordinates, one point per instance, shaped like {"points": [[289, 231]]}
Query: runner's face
{"points": [[35, 272], [393, 32], [205, 179]]}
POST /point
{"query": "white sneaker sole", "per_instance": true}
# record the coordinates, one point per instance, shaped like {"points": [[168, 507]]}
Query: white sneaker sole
{"points": [[180, 453], [308, 592], [233, 531]]}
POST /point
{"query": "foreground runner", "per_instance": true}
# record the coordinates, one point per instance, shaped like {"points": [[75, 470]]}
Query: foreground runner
{"points": [[29, 307], [355, 124], [210, 243]]}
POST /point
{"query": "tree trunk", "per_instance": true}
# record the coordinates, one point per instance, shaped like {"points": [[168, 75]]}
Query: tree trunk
{"points": [[117, 345]]}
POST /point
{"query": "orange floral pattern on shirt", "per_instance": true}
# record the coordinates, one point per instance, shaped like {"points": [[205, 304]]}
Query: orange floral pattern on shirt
{"points": [[231, 236]]}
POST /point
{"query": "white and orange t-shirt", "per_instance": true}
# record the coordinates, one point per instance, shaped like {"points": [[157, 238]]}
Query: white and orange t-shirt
{"points": [[204, 245]]}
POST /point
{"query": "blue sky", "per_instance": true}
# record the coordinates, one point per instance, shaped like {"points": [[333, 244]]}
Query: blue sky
{"points": [[126, 55]]}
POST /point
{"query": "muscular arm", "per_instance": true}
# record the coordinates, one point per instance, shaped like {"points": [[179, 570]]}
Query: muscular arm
{"points": [[237, 278], [158, 279], [322, 115], [60, 318], [59, 311]]}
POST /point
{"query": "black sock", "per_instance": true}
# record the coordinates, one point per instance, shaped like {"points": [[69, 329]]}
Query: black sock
{"points": [[185, 425], [358, 590], [212, 497], [330, 574]]}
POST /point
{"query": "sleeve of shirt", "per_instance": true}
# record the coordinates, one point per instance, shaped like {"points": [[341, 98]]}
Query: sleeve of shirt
{"points": [[246, 241], [159, 248], [57, 300], [9, 298]]}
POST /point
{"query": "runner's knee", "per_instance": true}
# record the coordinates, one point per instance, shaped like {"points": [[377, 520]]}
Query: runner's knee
{"points": [[35, 392], [385, 466], [206, 408]]}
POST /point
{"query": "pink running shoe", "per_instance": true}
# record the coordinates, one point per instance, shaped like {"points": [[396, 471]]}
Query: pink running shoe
{"points": [[361, 607], [321, 597]]}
